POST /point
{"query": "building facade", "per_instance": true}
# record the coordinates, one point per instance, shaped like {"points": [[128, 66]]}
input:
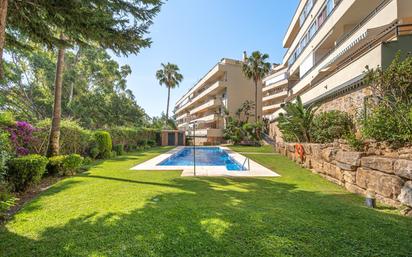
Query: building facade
{"points": [[329, 45], [219, 94]]}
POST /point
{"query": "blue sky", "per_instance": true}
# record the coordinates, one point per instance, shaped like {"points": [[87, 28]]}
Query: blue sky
{"points": [[196, 34]]}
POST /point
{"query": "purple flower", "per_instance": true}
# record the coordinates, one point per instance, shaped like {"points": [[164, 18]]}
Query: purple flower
{"points": [[21, 135]]}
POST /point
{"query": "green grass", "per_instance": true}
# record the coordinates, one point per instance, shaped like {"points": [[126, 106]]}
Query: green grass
{"points": [[251, 149], [113, 211]]}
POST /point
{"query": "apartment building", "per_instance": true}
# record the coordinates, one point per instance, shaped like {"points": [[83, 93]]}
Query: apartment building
{"points": [[329, 43], [220, 93]]}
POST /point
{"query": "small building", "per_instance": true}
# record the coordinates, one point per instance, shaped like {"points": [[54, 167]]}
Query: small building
{"points": [[172, 137]]}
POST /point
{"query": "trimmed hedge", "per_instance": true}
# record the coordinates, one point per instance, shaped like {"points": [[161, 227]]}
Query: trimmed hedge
{"points": [[64, 165], [119, 149], [73, 138], [26, 171], [132, 138], [103, 142]]}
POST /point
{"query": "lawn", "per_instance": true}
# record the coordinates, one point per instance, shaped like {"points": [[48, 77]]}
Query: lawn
{"points": [[113, 211]]}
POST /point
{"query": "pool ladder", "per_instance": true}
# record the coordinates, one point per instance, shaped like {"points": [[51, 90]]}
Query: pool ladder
{"points": [[248, 163]]}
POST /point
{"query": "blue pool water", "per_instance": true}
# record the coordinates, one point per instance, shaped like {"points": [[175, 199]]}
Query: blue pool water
{"points": [[205, 156]]}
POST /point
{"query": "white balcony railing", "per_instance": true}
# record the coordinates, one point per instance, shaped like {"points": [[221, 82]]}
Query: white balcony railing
{"points": [[275, 95], [208, 104], [205, 93]]}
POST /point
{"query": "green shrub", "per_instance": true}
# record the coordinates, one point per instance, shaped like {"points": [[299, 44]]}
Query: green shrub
{"points": [[73, 138], [327, 126], [151, 142], [6, 119], [382, 124], [113, 154], [26, 171], [7, 200], [119, 149], [130, 137], [55, 165], [5, 153], [72, 164], [94, 152], [355, 143], [103, 143], [64, 165]]}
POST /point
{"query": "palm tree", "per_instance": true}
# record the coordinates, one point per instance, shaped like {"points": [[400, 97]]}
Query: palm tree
{"points": [[297, 121], [255, 67], [169, 75]]}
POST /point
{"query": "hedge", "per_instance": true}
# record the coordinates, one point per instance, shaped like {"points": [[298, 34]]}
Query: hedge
{"points": [[73, 138], [64, 165], [26, 171], [103, 142], [131, 138]]}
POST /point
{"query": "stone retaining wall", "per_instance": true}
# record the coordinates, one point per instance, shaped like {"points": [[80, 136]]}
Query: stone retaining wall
{"points": [[386, 172]]}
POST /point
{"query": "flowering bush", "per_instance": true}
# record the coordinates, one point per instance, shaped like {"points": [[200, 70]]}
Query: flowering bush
{"points": [[21, 135]]}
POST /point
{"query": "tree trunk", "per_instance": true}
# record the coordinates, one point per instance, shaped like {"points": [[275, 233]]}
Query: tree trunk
{"points": [[76, 60], [3, 19], [54, 139], [168, 100], [256, 102]]}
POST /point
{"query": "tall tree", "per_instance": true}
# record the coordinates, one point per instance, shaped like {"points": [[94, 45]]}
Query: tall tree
{"points": [[256, 68], [169, 76], [118, 25], [3, 19]]}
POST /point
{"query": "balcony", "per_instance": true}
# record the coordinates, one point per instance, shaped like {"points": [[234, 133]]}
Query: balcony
{"points": [[207, 118], [208, 132], [182, 116], [209, 91], [370, 30], [271, 107], [281, 93], [207, 105]]}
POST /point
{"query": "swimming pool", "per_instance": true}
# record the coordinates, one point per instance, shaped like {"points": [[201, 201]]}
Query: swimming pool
{"points": [[205, 156]]}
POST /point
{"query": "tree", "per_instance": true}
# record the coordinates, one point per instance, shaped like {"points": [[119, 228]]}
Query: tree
{"points": [[118, 25], [256, 68], [295, 124], [169, 76]]}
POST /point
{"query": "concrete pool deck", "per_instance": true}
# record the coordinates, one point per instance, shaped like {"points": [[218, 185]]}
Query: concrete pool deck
{"points": [[256, 170]]}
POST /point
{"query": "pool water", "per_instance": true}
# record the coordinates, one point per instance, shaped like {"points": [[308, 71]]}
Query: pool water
{"points": [[205, 156]]}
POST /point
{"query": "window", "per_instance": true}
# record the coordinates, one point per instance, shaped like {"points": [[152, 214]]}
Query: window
{"points": [[321, 17], [312, 30], [329, 6]]}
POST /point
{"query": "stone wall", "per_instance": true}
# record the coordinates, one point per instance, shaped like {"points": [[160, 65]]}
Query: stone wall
{"points": [[380, 169]]}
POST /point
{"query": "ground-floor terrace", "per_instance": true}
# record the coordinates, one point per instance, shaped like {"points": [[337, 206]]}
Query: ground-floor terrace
{"points": [[112, 210]]}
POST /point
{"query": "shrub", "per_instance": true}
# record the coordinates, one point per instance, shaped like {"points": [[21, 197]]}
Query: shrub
{"points": [[354, 142], [113, 154], [7, 200], [331, 125], [72, 164], [388, 117], [5, 153], [25, 171], [6, 119], [383, 124], [73, 138], [151, 142], [130, 137], [21, 136], [295, 124], [119, 149], [103, 143], [64, 165], [55, 165], [94, 152]]}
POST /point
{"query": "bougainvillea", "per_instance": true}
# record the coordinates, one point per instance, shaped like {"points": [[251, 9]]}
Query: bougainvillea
{"points": [[21, 135]]}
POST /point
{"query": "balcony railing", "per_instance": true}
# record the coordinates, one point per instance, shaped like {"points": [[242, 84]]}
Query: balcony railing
{"points": [[203, 93]]}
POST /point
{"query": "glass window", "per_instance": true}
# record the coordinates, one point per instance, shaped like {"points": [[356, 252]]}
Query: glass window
{"points": [[321, 17], [312, 30], [329, 6]]}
